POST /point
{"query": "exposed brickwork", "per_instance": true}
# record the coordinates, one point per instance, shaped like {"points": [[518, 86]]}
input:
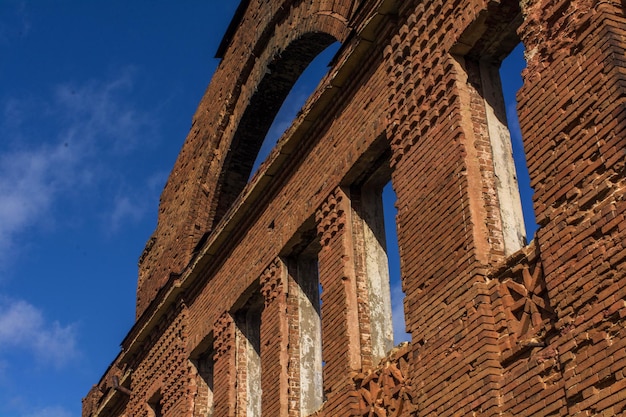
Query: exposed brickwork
{"points": [[274, 341], [412, 96], [163, 367], [225, 385]]}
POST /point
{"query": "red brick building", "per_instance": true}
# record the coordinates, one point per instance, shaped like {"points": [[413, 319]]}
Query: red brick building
{"points": [[230, 317]]}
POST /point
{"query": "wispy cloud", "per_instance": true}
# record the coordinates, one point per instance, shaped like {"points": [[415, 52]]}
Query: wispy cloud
{"points": [[101, 112], [14, 20], [126, 209], [49, 412], [24, 327], [54, 149], [133, 202], [397, 315], [29, 181]]}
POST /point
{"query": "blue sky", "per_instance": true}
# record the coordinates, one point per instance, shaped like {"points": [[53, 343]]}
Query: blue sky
{"points": [[96, 99]]}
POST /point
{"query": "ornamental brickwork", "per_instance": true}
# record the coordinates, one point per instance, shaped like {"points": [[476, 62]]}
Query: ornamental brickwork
{"points": [[269, 296]]}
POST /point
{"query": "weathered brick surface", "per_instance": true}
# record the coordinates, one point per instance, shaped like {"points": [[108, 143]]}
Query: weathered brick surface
{"points": [[274, 341], [495, 331], [224, 389]]}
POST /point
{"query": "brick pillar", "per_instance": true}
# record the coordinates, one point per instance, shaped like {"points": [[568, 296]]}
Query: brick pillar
{"points": [[293, 320], [577, 157], [225, 374], [340, 321], [274, 342]]}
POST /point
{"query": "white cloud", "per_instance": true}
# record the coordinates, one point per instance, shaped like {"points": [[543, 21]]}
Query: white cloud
{"points": [[49, 412], [100, 114], [29, 181], [24, 327], [397, 315], [14, 22], [513, 123], [55, 148], [126, 210]]}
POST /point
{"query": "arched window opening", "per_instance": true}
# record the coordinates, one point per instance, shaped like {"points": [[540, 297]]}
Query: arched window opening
{"points": [[264, 105], [300, 92], [511, 76]]}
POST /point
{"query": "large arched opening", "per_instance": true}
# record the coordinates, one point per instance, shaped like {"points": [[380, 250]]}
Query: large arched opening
{"points": [[279, 79]]}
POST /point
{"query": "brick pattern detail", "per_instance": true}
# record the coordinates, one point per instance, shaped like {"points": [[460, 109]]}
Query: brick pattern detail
{"points": [[521, 302], [293, 336], [224, 335], [274, 342], [165, 368], [272, 282], [383, 391], [241, 367], [224, 381], [340, 339], [576, 70], [330, 217], [362, 284], [526, 302], [525, 324]]}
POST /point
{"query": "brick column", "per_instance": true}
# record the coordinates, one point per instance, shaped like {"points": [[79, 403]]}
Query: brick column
{"points": [[340, 321], [577, 156], [225, 373], [274, 341]]}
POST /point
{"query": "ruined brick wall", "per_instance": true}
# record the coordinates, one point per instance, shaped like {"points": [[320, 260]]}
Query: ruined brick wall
{"points": [[229, 316]]}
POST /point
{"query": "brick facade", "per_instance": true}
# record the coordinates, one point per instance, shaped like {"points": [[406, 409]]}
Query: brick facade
{"points": [[259, 297]]}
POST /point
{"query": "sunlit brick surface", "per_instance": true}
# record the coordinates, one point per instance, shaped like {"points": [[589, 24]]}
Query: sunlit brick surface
{"points": [[538, 330]]}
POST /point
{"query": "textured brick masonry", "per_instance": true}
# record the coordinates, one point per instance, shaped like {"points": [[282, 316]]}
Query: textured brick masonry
{"points": [[263, 297]]}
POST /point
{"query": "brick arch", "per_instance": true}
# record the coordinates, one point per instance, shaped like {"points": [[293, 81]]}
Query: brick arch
{"points": [[297, 38], [255, 75], [270, 93]]}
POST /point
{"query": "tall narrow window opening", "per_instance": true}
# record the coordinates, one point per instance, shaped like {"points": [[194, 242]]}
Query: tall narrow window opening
{"points": [[248, 359], [203, 363], [303, 269], [156, 406], [378, 260], [484, 74], [393, 257], [510, 74], [491, 56]]}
